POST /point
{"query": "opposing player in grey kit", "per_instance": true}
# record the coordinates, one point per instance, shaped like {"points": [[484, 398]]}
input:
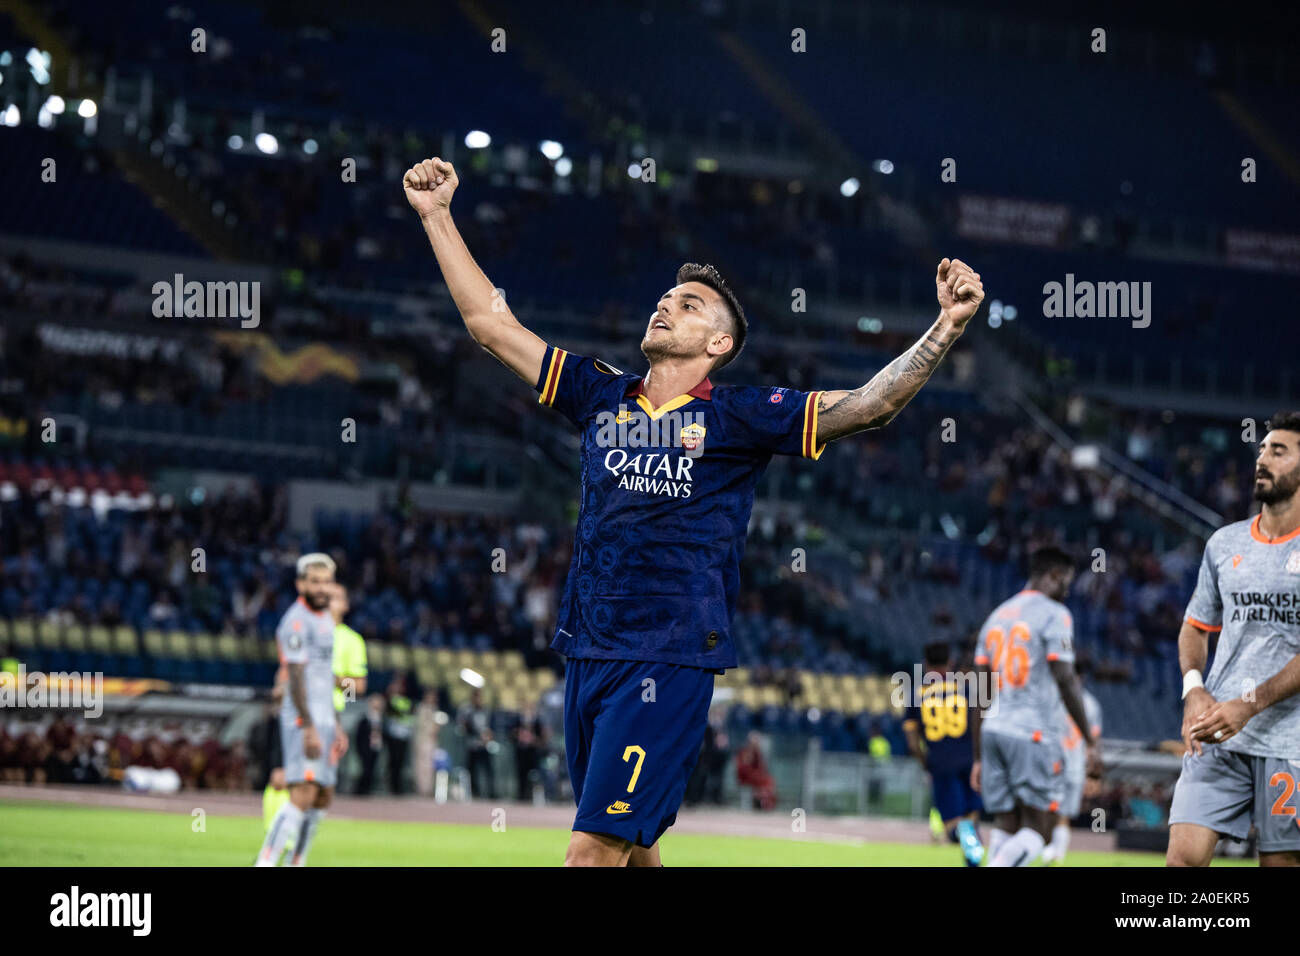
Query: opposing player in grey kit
{"points": [[1027, 643], [307, 720], [1241, 724]]}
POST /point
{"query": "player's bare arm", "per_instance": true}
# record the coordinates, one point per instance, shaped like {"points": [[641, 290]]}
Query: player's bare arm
{"points": [[358, 684], [1067, 681], [976, 716], [298, 694], [429, 186], [913, 738], [1225, 718], [1193, 648], [874, 405]]}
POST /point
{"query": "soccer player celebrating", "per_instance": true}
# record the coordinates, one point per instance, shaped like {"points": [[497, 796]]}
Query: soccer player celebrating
{"points": [[938, 729], [306, 639], [1241, 724], [1027, 643], [645, 620]]}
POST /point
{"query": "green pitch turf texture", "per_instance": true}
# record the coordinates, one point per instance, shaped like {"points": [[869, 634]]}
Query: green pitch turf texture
{"points": [[49, 834]]}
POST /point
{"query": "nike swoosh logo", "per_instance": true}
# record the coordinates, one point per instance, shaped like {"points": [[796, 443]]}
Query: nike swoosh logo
{"points": [[612, 810]]}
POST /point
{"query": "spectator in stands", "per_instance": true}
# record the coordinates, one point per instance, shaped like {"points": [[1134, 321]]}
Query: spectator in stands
{"points": [[62, 739], [706, 780], [11, 770], [752, 772], [87, 763], [370, 742], [475, 724], [426, 740], [33, 752], [399, 728], [529, 734], [264, 745]]}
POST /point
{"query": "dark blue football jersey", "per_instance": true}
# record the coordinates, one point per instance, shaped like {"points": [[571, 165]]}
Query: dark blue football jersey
{"points": [[942, 718], [665, 503]]}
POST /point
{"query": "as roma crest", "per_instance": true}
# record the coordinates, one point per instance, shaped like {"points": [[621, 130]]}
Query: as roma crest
{"points": [[693, 437]]}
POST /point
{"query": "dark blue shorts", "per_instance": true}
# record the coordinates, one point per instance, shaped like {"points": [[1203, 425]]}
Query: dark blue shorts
{"points": [[952, 793], [632, 733]]}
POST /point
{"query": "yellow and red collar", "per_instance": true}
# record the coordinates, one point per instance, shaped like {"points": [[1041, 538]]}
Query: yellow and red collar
{"points": [[636, 390]]}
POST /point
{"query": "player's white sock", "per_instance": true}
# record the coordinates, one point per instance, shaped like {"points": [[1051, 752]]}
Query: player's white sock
{"points": [[996, 839], [1055, 852], [310, 824], [1021, 849], [287, 821]]}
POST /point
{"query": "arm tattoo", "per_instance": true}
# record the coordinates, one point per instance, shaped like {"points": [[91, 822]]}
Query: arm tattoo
{"points": [[876, 403], [298, 691]]}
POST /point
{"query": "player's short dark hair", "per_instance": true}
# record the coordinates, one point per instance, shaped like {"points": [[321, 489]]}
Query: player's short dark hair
{"points": [[708, 275], [1286, 421], [1048, 559], [936, 653]]}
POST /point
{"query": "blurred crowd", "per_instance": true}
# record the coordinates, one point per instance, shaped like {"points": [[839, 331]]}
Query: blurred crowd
{"points": [[59, 749]]}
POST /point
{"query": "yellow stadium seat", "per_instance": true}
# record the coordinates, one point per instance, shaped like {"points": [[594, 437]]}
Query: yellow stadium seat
{"points": [[459, 693], [179, 645], [205, 646], [155, 644], [377, 656], [877, 684], [74, 639], [514, 680], [24, 631], [49, 636], [399, 657], [125, 642], [512, 661], [99, 639]]}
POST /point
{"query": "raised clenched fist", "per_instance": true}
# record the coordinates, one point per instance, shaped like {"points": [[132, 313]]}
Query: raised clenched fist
{"points": [[429, 185], [959, 291]]}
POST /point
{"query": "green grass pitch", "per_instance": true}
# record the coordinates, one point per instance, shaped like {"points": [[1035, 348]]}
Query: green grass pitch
{"points": [[47, 834]]}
